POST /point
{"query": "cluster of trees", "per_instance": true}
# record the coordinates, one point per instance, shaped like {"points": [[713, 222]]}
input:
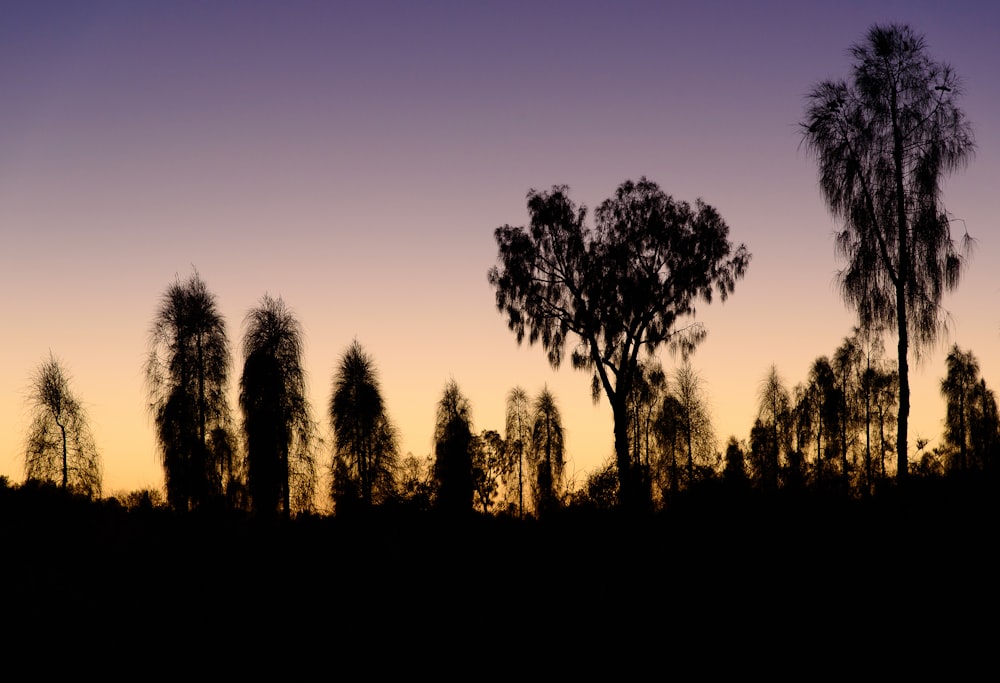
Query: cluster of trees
{"points": [[610, 296]]}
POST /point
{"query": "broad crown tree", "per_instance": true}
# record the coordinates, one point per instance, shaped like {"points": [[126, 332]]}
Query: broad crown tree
{"points": [[616, 290]]}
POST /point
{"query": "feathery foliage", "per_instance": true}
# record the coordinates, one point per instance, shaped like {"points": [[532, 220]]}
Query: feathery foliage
{"points": [[365, 443], [277, 424], [60, 446], [883, 142], [186, 374]]}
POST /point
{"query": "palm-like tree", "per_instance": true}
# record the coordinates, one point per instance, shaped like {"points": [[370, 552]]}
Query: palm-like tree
{"points": [[365, 444], [277, 424], [60, 446], [548, 446], [884, 141], [186, 373]]}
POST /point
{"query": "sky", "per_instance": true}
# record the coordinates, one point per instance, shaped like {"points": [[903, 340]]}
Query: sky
{"points": [[354, 158]]}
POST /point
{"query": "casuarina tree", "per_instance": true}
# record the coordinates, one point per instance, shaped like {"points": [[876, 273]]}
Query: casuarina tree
{"points": [[277, 423], [884, 140], [187, 372], [60, 446]]}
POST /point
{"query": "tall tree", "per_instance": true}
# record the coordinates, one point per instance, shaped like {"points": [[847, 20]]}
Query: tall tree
{"points": [[277, 423], [617, 290], [187, 371], [60, 445], [453, 443], [365, 442], [548, 446], [884, 141]]}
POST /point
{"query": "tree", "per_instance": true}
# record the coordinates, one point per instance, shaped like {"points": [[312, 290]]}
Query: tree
{"points": [[489, 466], [365, 442], [884, 141], [774, 427], [971, 424], [548, 447], [518, 438], [617, 290], [187, 371], [453, 442], [60, 446], [695, 423], [277, 423]]}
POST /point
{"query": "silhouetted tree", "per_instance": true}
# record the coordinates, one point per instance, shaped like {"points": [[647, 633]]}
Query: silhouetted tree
{"points": [[366, 449], [694, 421], [60, 446], [277, 423], [489, 467], [548, 446], [644, 402], [825, 404], [846, 365], [518, 440], [774, 415], [186, 373], [972, 428], [453, 443], [734, 471], [884, 141], [618, 289], [669, 438]]}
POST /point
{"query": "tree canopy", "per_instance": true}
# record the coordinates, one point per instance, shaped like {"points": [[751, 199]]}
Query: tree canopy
{"points": [[614, 291]]}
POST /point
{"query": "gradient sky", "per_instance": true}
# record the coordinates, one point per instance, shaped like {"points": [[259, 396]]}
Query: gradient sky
{"points": [[354, 158]]}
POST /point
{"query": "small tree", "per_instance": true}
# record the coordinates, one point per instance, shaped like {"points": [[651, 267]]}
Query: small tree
{"points": [[366, 449], [453, 444], [623, 288], [548, 447], [59, 446]]}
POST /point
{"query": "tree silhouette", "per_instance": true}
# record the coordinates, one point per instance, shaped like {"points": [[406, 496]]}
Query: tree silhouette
{"points": [[617, 290], [366, 449], [971, 424], [548, 446], [489, 467], [186, 373], [883, 142], [60, 446], [453, 442], [277, 424], [694, 421], [774, 427], [517, 430]]}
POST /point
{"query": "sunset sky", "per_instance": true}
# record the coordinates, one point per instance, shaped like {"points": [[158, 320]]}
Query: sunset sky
{"points": [[354, 158]]}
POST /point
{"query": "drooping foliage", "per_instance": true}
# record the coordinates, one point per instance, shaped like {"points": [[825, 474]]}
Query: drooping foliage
{"points": [[365, 443], [60, 445], [277, 422], [187, 372], [884, 141]]}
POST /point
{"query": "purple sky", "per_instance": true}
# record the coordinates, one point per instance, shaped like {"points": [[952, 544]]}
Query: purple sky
{"points": [[355, 158]]}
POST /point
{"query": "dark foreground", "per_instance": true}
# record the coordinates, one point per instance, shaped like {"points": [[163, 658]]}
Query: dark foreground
{"points": [[719, 580]]}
